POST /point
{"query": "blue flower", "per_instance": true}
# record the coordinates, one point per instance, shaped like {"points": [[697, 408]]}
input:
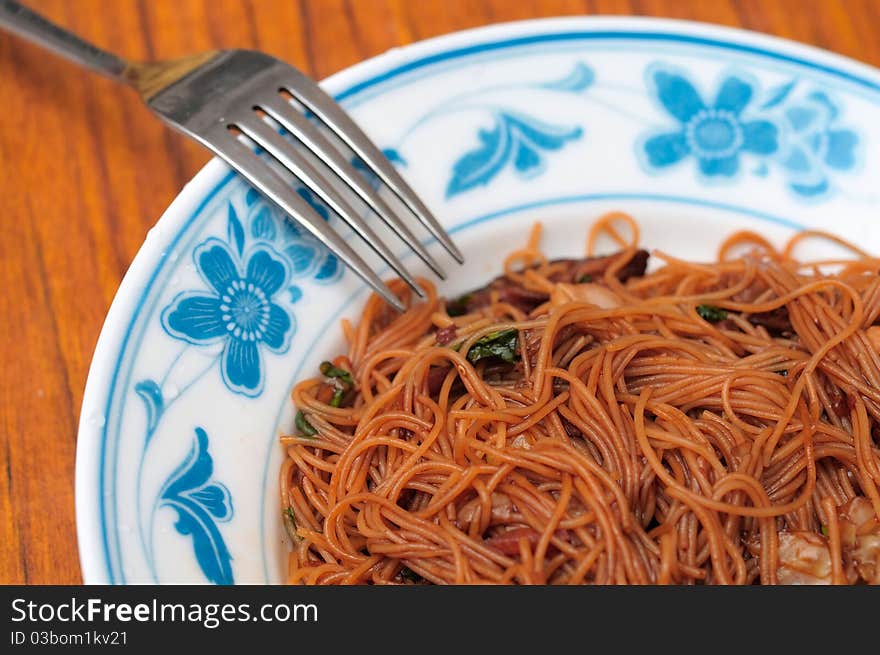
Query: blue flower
{"points": [[714, 134], [305, 255], [817, 145], [240, 312]]}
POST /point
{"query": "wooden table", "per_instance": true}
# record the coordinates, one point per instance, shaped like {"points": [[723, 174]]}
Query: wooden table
{"points": [[87, 170]]}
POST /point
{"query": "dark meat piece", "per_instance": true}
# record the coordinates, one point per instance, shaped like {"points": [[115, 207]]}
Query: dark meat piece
{"points": [[445, 335], [635, 267], [436, 376], [776, 322], [523, 299], [507, 542], [532, 341], [508, 291], [405, 501], [571, 429], [497, 370], [526, 300], [594, 268], [838, 401], [726, 324]]}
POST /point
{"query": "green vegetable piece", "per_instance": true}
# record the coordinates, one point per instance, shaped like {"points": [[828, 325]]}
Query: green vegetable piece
{"points": [[824, 529], [336, 400], [459, 306], [711, 313], [408, 574], [303, 425], [583, 279], [341, 374], [501, 344], [290, 523]]}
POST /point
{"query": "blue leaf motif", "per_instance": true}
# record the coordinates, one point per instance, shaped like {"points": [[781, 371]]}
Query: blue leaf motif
{"points": [[215, 499], [199, 502], [372, 179], [263, 223], [295, 293], [194, 471], [235, 232], [251, 197], [302, 256], [211, 552], [579, 79], [778, 94], [394, 157], [514, 138], [541, 135], [330, 269], [527, 161], [316, 204], [480, 165], [151, 394]]}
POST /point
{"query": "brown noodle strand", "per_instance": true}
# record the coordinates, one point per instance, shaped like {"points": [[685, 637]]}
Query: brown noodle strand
{"points": [[830, 510], [712, 422]]}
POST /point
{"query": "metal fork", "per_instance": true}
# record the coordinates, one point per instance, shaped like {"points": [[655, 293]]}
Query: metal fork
{"points": [[223, 98]]}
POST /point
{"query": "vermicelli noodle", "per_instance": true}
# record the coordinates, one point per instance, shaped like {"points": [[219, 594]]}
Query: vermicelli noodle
{"points": [[586, 421]]}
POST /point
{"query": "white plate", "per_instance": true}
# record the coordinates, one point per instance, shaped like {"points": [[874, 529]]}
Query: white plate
{"points": [[695, 130]]}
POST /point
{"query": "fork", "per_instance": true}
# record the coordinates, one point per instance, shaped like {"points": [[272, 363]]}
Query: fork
{"points": [[223, 99]]}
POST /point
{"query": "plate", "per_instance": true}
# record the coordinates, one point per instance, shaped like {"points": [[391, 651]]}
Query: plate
{"points": [[695, 130]]}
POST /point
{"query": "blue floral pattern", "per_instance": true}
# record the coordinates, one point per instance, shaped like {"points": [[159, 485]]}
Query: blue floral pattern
{"points": [[257, 268], [201, 502], [248, 279], [578, 80], [819, 145], [306, 256], [372, 179], [716, 134], [515, 139], [801, 134], [239, 311]]}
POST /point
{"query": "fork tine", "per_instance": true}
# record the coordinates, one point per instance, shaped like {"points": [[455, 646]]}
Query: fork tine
{"points": [[298, 125], [333, 116], [266, 137], [277, 190]]}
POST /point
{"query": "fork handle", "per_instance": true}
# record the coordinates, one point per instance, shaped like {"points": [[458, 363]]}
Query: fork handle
{"points": [[35, 28]]}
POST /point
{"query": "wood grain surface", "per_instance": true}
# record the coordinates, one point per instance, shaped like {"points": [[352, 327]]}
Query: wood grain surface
{"points": [[86, 171]]}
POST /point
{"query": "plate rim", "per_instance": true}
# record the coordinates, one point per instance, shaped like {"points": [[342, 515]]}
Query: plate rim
{"points": [[95, 560]]}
